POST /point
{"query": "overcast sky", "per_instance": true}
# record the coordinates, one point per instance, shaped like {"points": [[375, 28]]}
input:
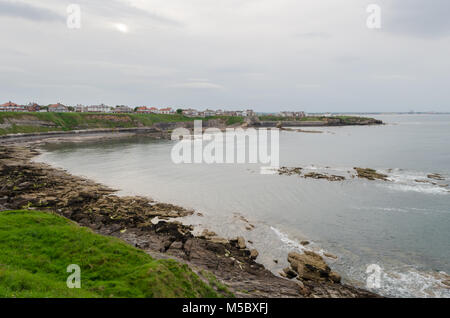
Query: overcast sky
{"points": [[270, 55]]}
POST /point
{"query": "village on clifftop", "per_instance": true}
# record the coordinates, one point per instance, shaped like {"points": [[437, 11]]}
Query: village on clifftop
{"points": [[102, 108]]}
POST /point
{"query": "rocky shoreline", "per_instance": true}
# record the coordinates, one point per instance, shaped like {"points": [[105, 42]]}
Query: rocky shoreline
{"points": [[146, 224]]}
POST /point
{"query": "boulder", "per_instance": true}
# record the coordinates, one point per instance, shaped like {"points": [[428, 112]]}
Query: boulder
{"points": [[329, 255], [435, 176], [288, 273], [335, 277], [311, 266], [241, 242], [254, 254], [370, 174], [206, 233], [177, 245], [304, 291], [218, 240]]}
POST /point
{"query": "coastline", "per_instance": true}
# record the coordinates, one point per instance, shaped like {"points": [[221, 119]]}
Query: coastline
{"points": [[135, 220]]}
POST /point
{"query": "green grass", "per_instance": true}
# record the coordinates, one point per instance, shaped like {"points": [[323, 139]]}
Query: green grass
{"points": [[36, 248], [213, 281], [75, 121]]}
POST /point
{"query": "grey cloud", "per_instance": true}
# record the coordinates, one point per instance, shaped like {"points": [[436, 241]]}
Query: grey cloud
{"points": [[417, 17], [120, 9], [347, 59], [225, 60], [26, 11], [312, 35]]}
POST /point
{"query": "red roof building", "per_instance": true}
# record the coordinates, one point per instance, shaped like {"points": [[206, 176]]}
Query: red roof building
{"points": [[58, 108], [12, 107]]}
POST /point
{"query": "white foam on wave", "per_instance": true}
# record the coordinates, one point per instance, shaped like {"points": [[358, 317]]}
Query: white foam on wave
{"points": [[408, 181], [385, 209], [413, 283], [286, 240], [400, 210], [291, 244], [395, 283], [418, 188]]}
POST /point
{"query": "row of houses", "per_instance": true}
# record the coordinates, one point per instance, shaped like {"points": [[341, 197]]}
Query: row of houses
{"points": [[32, 107], [102, 108], [13, 107], [154, 110], [292, 114], [208, 113]]}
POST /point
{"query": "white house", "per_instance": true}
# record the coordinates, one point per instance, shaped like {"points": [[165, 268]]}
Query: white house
{"points": [[209, 113], [122, 109], [58, 108], [248, 113], [166, 111], [102, 108], [190, 112]]}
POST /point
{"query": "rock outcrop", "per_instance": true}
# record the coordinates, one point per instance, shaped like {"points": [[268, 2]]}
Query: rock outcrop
{"points": [[370, 174], [311, 266]]}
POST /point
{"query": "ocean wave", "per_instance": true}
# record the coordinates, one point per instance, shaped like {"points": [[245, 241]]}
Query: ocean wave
{"points": [[286, 240], [413, 283], [418, 188], [385, 209], [407, 282], [407, 181], [291, 244]]}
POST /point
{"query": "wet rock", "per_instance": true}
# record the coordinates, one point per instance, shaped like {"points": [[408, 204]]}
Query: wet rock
{"points": [[335, 277], [177, 245], [329, 255], [435, 176], [315, 175], [206, 233], [370, 174], [218, 240], [304, 243], [446, 283], [241, 242], [310, 266], [254, 254], [290, 171], [425, 181], [304, 291], [289, 273]]}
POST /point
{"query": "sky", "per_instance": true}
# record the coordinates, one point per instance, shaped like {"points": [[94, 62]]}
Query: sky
{"points": [[267, 55]]}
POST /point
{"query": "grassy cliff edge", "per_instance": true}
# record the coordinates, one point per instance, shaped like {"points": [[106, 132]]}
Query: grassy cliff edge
{"points": [[13, 123], [37, 247]]}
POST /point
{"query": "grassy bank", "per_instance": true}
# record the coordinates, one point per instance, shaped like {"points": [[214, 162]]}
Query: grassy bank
{"points": [[36, 248], [11, 123]]}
